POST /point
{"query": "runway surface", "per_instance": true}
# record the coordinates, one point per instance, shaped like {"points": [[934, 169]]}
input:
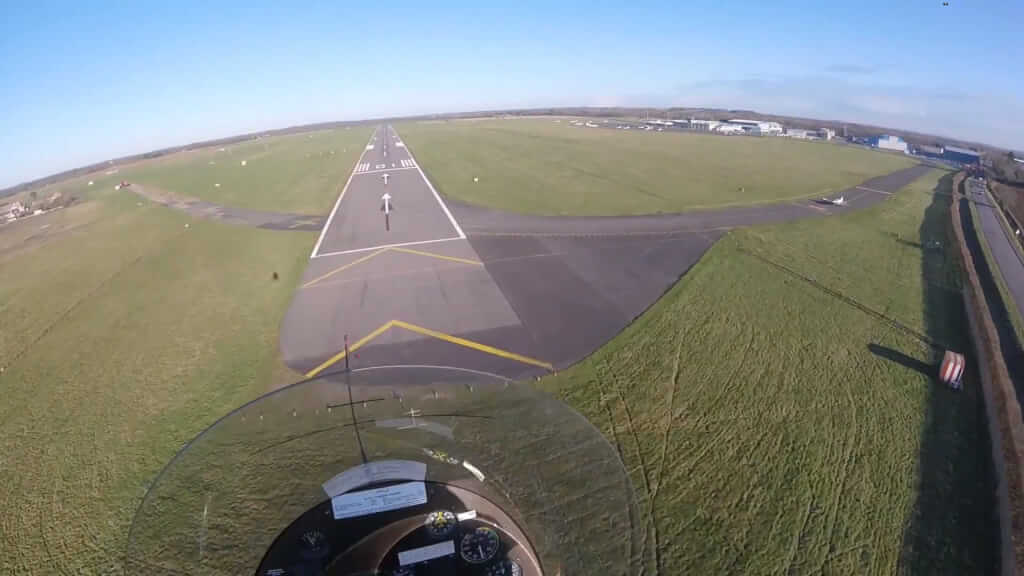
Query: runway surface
{"points": [[446, 284]]}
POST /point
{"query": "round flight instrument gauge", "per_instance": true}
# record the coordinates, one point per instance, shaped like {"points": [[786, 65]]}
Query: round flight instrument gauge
{"points": [[440, 523], [505, 568], [480, 545]]}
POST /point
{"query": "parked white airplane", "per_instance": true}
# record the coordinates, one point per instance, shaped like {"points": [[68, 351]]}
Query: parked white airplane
{"points": [[841, 201]]}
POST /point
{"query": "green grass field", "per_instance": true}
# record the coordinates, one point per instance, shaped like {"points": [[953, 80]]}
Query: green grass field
{"points": [[773, 426], [300, 173], [763, 420], [124, 335], [539, 166]]}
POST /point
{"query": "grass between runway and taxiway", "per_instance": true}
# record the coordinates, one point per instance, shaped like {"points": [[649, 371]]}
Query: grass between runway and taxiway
{"points": [[124, 335], [538, 166], [301, 173], [778, 410]]}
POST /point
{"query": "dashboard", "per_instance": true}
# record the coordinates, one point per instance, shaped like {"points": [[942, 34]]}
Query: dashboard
{"points": [[454, 532]]}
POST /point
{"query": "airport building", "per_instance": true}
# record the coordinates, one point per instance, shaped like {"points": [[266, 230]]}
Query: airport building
{"points": [[758, 127], [729, 129], [961, 155], [887, 142], [703, 125]]}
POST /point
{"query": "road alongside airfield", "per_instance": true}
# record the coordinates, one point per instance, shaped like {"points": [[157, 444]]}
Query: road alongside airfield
{"points": [[443, 283], [1008, 260]]}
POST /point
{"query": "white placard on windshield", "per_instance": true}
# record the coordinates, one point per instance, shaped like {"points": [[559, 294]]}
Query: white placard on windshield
{"points": [[379, 500], [377, 471], [406, 557]]}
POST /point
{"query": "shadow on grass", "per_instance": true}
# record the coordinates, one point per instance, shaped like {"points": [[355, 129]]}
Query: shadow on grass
{"points": [[902, 359], [953, 527]]}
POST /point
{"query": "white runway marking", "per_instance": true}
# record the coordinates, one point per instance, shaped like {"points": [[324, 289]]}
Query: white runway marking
{"points": [[382, 246], [407, 163], [379, 166], [873, 190], [362, 167], [436, 195], [323, 231], [400, 144], [385, 170]]}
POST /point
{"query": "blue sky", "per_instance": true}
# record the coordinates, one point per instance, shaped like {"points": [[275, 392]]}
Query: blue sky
{"points": [[83, 82]]}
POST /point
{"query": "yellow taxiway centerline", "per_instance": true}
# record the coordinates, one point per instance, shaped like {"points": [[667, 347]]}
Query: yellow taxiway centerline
{"points": [[342, 268], [438, 256], [433, 334], [471, 344], [390, 249], [333, 359]]}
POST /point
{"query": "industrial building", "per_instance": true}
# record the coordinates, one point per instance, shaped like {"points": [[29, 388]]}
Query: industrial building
{"points": [[950, 153], [729, 129], [758, 127], [887, 142], [703, 125], [961, 155]]}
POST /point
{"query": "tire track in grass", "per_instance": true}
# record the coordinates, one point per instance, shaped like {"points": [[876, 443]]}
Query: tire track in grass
{"points": [[653, 530], [602, 401]]}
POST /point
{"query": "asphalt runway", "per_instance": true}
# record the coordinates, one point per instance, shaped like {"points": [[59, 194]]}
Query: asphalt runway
{"points": [[446, 284], [417, 214]]}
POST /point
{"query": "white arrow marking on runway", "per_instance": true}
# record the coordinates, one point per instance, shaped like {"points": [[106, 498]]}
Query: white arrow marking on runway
{"points": [[385, 180], [387, 202]]}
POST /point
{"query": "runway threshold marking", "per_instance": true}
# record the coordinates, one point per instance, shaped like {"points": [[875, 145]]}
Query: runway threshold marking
{"points": [[433, 334], [344, 267]]}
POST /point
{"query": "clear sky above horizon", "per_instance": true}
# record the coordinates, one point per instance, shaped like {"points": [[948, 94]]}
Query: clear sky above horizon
{"points": [[86, 82]]}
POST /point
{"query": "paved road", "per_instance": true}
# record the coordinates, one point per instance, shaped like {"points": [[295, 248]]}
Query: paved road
{"points": [[515, 295], [1008, 261]]}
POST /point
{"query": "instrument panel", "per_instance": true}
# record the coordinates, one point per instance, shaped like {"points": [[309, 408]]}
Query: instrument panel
{"points": [[454, 532]]}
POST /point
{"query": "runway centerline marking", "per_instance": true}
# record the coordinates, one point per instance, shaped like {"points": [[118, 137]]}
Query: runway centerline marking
{"points": [[433, 334], [348, 265]]}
